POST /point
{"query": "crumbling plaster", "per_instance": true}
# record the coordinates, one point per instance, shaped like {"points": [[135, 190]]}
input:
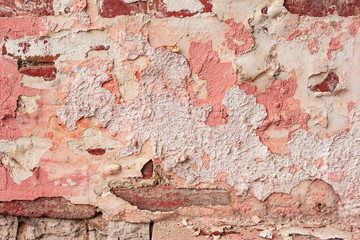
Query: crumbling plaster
{"points": [[246, 97]]}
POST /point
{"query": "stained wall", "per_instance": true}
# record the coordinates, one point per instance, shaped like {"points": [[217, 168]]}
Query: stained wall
{"points": [[169, 119]]}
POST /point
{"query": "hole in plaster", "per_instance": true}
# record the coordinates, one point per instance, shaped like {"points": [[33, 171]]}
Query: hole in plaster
{"points": [[147, 169], [151, 229], [264, 10], [319, 206]]}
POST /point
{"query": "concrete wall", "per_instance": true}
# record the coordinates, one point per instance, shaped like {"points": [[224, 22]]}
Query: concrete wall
{"points": [[179, 119]]}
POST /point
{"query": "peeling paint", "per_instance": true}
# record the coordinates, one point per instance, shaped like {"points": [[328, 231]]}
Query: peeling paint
{"points": [[141, 110]]}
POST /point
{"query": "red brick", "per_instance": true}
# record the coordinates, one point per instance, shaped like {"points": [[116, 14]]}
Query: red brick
{"points": [[36, 8], [328, 85], [35, 66], [97, 48], [96, 151], [157, 8], [47, 72], [47, 207], [160, 198], [322, 8]]}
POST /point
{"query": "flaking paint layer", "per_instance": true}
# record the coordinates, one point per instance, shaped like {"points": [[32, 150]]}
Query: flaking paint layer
{"points": [[256, 98]]}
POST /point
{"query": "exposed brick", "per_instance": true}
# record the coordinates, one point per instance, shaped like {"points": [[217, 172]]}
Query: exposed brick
{"points": [[327, 85], [113, 8], [36, 66], [96, 151], [97, 48], [118, 229], [47, 207], [147, 169], [39, 67], [47, 72], [160, 198], [36, 8], [322, 8]]}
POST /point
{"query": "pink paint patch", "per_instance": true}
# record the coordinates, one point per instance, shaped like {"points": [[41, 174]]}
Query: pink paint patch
{"points": [[350, 106], [10, 88], [334, 45], [19, 27], [336, 177], [319, 162], [3, 177], [219, 77], [322, 24], [293, 169], [283, 111], [39, 185], [293, 34], [12, 127], [113, 87], [206, 160], [80, 5], [237, 38], [313, 46], [336, 25], [353, 28]]}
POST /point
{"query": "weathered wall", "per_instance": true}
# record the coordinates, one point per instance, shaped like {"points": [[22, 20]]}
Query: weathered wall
{"points": [[179, 119]]}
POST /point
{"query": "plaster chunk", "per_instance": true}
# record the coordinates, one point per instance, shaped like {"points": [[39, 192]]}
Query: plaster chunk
{"points": [[23, 156], [28, 104], [266, 234]]}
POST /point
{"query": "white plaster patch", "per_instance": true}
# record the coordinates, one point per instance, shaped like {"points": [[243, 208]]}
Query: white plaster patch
{"points": [[86, 96], [91, 139], [327, 232], [27, 104], [38, 82], [248, 65], [59, 6], [67, 45], [23, 155], [83, 18], [180, 137], [192, 5]]}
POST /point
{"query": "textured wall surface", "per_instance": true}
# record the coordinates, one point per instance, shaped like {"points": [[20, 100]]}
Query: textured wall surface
{"points": [[179, 119]]}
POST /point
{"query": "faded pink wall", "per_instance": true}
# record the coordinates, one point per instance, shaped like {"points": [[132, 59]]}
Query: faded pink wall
{"points": [[235, 119]]}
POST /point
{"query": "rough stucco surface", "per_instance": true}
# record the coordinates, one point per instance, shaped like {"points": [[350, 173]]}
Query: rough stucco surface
{"points": [[166, 119]]}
